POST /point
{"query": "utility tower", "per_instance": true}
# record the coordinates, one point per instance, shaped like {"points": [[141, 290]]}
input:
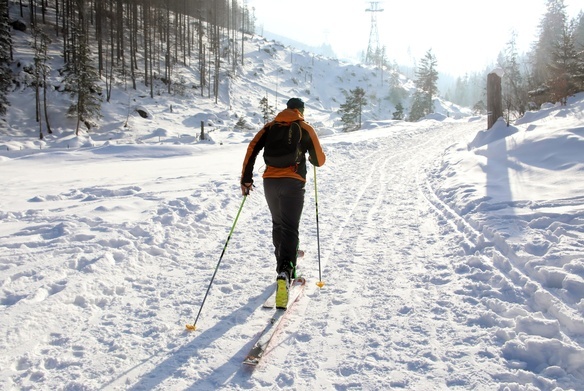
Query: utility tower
{"points": [[373, 49]]}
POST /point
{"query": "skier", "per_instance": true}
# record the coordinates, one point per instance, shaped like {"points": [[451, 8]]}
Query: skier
{"points": [[284, 188]]}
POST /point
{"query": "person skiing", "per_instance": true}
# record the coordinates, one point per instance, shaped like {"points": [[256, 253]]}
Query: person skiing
{"points": [[284, 183]]}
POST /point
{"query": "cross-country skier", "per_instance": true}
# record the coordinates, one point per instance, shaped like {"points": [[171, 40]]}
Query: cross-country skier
{"points": [[284, 186]]}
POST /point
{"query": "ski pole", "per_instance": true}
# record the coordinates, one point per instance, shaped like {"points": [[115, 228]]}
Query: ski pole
{"points": [[320, 282], [193, 327]]}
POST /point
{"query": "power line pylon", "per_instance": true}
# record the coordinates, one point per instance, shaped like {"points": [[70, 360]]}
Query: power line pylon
{"points": [[373, 49]]}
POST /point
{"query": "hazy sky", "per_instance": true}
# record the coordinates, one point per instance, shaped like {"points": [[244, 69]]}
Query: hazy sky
{"points": [[464, 35]]}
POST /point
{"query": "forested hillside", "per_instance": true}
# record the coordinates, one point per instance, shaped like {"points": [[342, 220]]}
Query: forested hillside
{"points": [[71, 56]]}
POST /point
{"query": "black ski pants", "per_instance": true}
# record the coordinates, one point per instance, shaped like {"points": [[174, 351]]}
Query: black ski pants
{"points": [[285, 198]]}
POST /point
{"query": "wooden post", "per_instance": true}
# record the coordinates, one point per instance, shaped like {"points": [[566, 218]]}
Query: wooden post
{"points": [[202, 130], [494, 99]]}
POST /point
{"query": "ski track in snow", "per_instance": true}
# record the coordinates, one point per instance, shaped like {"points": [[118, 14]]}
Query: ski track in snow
{"points": [[416, 296], [387, 255]]}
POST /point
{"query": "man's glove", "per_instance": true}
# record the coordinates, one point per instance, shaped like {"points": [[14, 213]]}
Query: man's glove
{"points": [[246, 188]]}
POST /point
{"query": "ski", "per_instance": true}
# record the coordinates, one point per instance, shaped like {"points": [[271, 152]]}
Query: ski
{"points": [[256, 353], [270, 301]]}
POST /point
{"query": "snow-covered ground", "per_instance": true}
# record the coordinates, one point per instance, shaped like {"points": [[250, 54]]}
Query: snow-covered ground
{"points": [[452, 256], [452, 259]]}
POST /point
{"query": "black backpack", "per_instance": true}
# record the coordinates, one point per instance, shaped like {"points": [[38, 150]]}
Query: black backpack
{"points": [[282, 148]]}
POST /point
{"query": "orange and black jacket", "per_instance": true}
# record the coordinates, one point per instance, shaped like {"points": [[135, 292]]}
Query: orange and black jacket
{"points": [[309, 143]]}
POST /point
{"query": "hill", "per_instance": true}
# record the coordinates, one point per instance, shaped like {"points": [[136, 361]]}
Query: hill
{"points": [[271, 70]]}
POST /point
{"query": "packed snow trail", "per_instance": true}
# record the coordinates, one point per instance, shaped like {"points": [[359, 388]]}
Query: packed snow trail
{"points": [[387, 259]]}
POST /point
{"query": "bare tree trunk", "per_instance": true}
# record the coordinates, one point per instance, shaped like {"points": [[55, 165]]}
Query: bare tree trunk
{"points": [[150, 60], [209, 73], [146, 23], [37, 77], [99, 20], [44, 73], [202, 57], [168, 51], [133, 43], [37, 98], [45, 107], [242, 34], [57, 18], [32, 12], [78, 121]]}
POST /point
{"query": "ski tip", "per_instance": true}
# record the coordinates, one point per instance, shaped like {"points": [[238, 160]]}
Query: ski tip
{"points": [[320, 284], [191, 327]]}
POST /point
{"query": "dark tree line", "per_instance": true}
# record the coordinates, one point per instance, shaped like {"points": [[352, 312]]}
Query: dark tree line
{"points": [[135, 41]]}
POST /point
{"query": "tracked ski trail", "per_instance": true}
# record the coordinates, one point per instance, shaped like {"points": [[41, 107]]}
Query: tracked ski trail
{"points": [[385, 265]]}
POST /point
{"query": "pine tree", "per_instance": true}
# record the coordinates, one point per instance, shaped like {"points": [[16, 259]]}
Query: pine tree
{"points": [[396, 92], [461, 91], [418, 109], [513, 86], [562, 68], [5, 57], [398, 114], [579, 31], [267, 110], [427, 87], [578, 35], [351, 111], [551, 29]]}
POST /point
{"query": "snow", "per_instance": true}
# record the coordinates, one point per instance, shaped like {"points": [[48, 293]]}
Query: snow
{"points": [[451, 255]]}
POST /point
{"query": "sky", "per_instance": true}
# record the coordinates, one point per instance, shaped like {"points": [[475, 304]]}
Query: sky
{"points": [[451, 255], [463, 35]]}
